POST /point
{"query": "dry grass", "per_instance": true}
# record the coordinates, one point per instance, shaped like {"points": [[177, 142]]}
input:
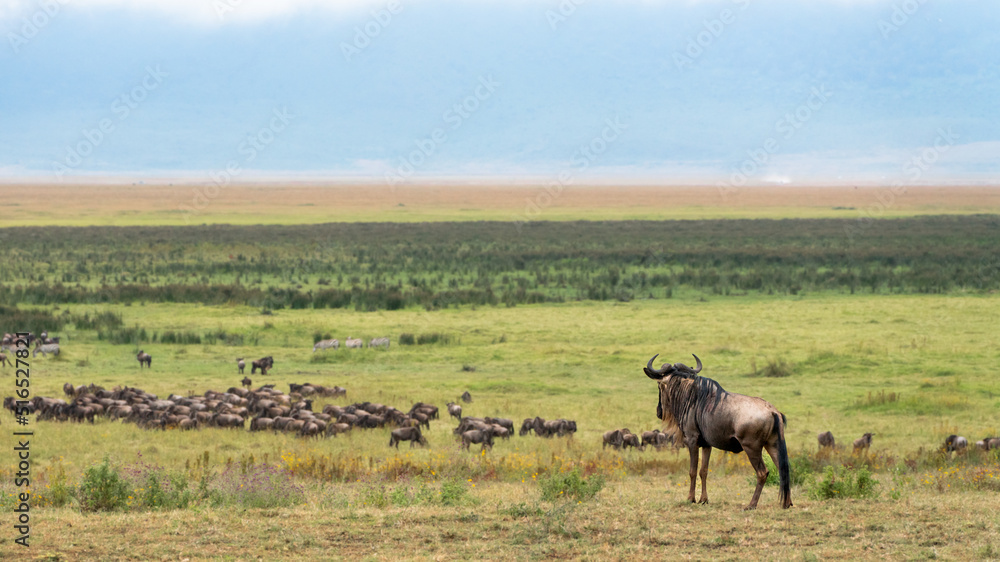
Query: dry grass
{"points": [[634, 519], [300, 203]]}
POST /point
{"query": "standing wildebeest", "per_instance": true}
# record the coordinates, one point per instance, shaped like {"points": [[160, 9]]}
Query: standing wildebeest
{"points": [[46, 349], [826, 440], [699, 412], [411, 434], [326, 344], [455, 410], [246, 382], [3, 360], [955, 443], [263, 364], [615, 438], [146, 358], [862, 443], [241, 364], [466, 397]]}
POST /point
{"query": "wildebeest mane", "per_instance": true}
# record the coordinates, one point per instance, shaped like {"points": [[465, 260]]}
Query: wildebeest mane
{"points": [[686, 394]]}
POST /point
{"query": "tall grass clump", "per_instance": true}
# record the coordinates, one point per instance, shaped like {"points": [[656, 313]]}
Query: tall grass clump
{"points": [[844, 482], [103, 488], [570, 484]]}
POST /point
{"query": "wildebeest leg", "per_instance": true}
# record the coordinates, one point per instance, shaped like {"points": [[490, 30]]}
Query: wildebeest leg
{"points": [[706, 453], [693, 472], [757, 462]]}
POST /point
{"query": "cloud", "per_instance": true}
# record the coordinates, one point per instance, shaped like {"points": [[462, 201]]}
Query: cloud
{"points": [[200, 12]]}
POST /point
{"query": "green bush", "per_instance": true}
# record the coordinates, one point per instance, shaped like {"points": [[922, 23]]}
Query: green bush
{"points": [[407, 339], [570, 484], [453, 492], [103, 489], [844, 482], [800, 471]]}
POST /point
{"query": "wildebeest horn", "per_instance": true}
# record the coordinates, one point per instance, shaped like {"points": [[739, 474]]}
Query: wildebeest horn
{"points": [[653, 373], [698, 368]]}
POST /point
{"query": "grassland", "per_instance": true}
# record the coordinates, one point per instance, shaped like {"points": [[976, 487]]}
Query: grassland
{"points": [[193, 203], [890, 329], [574, 360]]}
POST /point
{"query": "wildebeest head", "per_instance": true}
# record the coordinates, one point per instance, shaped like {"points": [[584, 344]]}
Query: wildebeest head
{"points": [[667, 370]]}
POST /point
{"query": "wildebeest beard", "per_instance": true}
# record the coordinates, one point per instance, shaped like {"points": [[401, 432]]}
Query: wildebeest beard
{"points": [[686, 394]]}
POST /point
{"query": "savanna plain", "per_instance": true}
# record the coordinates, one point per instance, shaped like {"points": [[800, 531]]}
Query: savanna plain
{"points": [[844, 321]]}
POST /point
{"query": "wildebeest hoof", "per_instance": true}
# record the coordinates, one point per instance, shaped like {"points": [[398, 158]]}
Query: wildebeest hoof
{"points": [[703, 500]]}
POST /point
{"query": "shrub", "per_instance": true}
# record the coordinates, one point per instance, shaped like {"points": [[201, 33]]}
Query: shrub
{"points": [[103, 489], [844, 482], [407, 339], [561, 485], [453, 492], [800, 471]]}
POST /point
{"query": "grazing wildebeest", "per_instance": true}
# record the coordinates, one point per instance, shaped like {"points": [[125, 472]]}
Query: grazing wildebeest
{"points": [[263, 364], [241, 364], [246, 382], [826, 440], [326, 344], [656, 438], [862, 443], [46, 349], [466, 397], [955, 443], [455, 410], [701, 414], [144, 357], [989, 443], [354, 343], [630, 439], [484, 436], [411, 434], [379, 342]]}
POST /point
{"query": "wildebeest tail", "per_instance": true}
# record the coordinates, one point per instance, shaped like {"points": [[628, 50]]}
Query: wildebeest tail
{"points": [[784, 470]]}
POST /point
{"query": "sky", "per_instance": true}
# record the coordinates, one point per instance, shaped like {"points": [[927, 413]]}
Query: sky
{"points": [[737, 91]]}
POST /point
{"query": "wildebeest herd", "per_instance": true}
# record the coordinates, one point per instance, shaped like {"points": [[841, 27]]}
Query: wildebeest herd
{"points": [[43, 344]]}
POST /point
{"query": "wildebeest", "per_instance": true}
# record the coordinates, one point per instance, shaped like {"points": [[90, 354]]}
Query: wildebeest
{"points": [[144, 357], [484, 436], [826, 440], [701, 414], [656, 438], [46, 349], [241, 364], [613, 438], [379, 342], [263, 364], [955, 443], [862, 443], [630, 439], [326, 344], [466, 397], [411, 434], [455, 410], [3, 360], [989, 443], [246, 382], [354, 343]]}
